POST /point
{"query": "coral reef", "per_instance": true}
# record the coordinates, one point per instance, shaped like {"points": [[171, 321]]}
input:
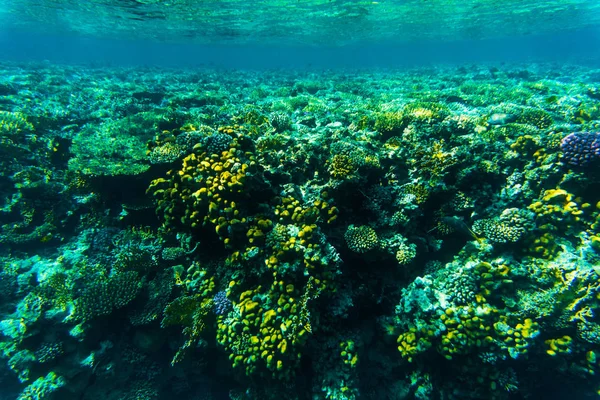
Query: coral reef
{"points": [[307, 236]]}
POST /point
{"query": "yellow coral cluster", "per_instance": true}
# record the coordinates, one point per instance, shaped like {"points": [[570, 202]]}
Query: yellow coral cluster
{"points": [[515, 339], [414, 342], [559, 211], [484, 326], [566, 346], [559, 345], [466, 327], [302, 245], [544, 246], [290, 211], [273, 323], [348, 353], [269, 322], [264, 336], [492, 277], [342, 166], [560, 204], [480, 324], [207, 190]]}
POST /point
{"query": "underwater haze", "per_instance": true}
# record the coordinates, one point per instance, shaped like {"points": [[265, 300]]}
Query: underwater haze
{"points": [[303, 200]]}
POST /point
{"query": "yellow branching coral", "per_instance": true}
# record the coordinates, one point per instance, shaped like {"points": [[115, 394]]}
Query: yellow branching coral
{"points": [[13, 123]]}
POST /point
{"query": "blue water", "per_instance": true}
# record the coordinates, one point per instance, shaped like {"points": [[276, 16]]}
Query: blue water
{"points": [[174, 33], [61, 48]]}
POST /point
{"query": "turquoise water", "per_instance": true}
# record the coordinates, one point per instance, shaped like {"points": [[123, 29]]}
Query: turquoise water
{"points": [[299, 200]]}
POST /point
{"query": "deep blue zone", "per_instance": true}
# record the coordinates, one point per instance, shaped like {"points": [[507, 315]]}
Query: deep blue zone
{"points": [[25, 46]]}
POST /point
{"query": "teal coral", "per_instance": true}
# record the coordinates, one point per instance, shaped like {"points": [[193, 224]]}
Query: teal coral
{"points": [[42, 387], [105, 295]]}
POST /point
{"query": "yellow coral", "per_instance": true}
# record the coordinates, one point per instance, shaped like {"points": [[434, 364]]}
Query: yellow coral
{"points": [[13, 122], [559, 345], [262, 339], [342, 166], [348, 353]]}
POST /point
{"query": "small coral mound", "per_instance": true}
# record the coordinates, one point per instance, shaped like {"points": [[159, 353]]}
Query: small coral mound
{"points": [[167, 153], [361, 239], [496, 231], [406, 253], [581, 148], [217, 143], [280, 122], [102, 297], [510, 226], [221, 304]]}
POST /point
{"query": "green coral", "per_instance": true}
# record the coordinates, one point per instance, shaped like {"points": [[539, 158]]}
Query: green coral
{"points": [[406, 253], [393, 122], [43, 387], [104, 296], [14, 125], [390, 123], [157, 296], [537, 117], [426, 112], [191, 312], [113, 148], [280, 121], [342, 166], [361, 239], [433, 161]]}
